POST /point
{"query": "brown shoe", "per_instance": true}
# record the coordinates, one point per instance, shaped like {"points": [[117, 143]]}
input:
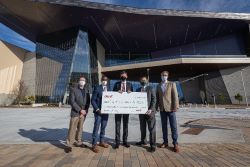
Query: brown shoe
{"points": [[176, 148], [95, 149], [163, 145], [105, 145]]}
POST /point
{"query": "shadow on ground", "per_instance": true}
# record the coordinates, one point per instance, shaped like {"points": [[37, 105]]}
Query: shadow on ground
{"points": [[56, 137]]}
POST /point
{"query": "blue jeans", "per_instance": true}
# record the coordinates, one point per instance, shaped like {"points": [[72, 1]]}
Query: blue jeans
{"points": [[165, 116], [100, 119]]}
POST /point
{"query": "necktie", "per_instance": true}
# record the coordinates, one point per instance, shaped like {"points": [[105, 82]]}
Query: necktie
{"points": [[123, 87], [105, 88]]}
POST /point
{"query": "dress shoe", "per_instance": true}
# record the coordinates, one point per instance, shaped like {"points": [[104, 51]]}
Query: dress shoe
{"points": [[141, 143], [68, 149], [163, 145], [95, 149], [126, 145], [117, 146], [152, 149], [104, 145], [176, 148]]}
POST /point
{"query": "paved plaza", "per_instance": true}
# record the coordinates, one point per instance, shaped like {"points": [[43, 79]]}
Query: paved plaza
{"points": [[207, 136]]}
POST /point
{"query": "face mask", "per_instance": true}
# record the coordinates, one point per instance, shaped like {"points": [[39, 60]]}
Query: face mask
{"points": [[82, 83], [143, 83], [104, 83], [123, 78], [164, 78]]}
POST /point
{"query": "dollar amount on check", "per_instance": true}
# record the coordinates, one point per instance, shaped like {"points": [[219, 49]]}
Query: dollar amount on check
{"points": [[124, 103]]}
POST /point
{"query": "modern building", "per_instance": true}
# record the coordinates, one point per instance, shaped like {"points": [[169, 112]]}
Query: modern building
{"points": [[205, 45]]}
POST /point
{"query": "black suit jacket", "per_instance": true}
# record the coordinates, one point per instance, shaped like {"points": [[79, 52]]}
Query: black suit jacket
{"points": [[150, 96], [77, 101], [117, 86]]}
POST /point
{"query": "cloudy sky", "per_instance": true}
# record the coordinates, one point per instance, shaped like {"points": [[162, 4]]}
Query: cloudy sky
{"points": [[239, 6]]}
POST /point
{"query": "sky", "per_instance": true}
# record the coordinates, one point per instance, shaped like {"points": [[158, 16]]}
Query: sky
{"points": [[238, 6]]}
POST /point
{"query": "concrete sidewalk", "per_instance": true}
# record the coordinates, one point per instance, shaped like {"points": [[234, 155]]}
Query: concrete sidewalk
{"points": [[50, 125]]}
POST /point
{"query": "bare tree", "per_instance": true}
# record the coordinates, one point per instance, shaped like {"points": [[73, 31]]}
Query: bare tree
{"points": [[20, 92]]}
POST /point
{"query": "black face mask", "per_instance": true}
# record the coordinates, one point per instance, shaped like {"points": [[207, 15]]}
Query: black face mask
{"points": [[143, 83], [123, 78]]}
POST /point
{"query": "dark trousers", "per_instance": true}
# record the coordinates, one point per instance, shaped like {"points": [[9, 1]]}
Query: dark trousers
{"points": [[100, 119], [118, 118], [150, 121], [165, 116]]}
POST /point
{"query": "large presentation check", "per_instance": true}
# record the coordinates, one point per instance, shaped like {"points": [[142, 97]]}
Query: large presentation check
{"points": [[124, 103]]}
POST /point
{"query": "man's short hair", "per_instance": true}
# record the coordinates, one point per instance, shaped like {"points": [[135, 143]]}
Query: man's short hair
{"points": [[164, 72], [104, 76], [123, 72], [144, 76], [82, 77]]}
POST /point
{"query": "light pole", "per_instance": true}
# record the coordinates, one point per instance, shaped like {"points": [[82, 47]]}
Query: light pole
{"points": [[148, 73], [243, 84]]}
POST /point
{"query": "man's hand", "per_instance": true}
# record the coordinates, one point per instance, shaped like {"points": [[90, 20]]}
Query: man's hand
{"points": [[174, 110], [149, 112], [129, 91], [98, 111], [81, 115], [120, 91], [83, 112]]}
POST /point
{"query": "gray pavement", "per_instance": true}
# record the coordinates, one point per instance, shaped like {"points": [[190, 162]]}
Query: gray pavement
{"points": [[50, 125]]}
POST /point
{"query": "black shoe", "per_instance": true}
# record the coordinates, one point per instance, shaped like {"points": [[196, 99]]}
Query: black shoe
{"points": [[117, 146], [126, 145], [68, 149], [140, 143], [152, 149]]}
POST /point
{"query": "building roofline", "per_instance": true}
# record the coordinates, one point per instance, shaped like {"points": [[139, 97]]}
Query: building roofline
{"points": [[161, 12]]}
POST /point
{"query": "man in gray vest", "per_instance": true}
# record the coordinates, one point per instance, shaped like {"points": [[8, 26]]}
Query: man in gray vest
{"points": [[79, 100]]}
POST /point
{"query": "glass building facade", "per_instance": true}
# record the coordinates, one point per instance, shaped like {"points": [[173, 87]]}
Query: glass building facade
{"points": [[233, 45], [62, 57]]}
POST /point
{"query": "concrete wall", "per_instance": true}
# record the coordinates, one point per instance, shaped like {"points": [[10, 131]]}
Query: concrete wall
{"points": [[11, 65], [191, 91], [29, 72], [233, 82]]}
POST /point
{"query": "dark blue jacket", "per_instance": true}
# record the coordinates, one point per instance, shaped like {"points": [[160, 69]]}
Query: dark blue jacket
{"points": [[96, 99]]}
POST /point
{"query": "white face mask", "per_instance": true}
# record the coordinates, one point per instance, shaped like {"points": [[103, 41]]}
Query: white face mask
{"points": [[164, 78], [82, 83], [104, 83]]}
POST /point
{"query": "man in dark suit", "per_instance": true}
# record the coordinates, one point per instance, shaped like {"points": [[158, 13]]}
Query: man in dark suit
{"points": [[79, 100], [148, 119], [122, 86], [100, 119]]}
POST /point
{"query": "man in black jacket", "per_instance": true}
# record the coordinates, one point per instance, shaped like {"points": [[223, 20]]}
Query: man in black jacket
{"points": [[122, 86], [79, 100], [148, 119]]}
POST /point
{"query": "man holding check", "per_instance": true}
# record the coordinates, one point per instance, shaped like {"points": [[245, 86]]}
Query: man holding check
{"points": [[148, 119], [122, 86]]}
